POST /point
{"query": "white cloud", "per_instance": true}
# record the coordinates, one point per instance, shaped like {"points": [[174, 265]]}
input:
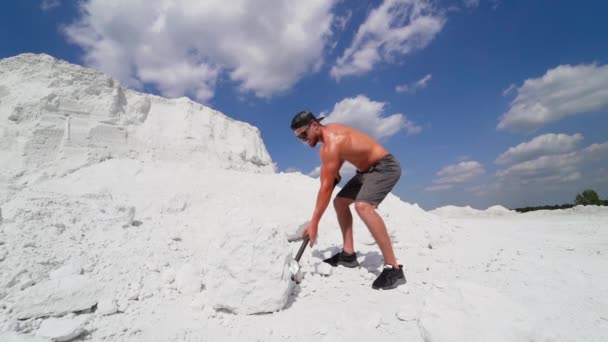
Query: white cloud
{"points": [[48, 5], [316, 172], [366, 115], [412, 88], [547, 144], [475, 3], [456, 174], [347, 171], [184, 46], [509, 90], [566, 167], [548, 179], [394, 29], [341, 21], [471, 3], [439, 187], [402, 88], [563, 91]]}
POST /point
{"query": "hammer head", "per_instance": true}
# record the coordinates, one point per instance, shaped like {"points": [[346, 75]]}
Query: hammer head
{"points": [[294, 266], [296, 272]]}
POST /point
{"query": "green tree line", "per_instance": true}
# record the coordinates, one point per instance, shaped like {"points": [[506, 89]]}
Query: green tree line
{"points": [[587, 197]]}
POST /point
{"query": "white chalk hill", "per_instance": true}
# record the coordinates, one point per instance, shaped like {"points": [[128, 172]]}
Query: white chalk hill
{"points": [[121, 203], [56, 117]]}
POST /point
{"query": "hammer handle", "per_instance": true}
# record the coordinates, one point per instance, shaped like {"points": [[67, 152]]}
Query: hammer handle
{"points": [[305, 241]]}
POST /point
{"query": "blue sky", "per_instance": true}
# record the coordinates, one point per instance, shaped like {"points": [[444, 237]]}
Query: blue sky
{"points": [[484, 102]]}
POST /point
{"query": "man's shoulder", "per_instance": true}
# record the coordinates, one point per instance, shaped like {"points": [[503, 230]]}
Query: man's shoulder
{"points": [[329, 149], [335, 125]]}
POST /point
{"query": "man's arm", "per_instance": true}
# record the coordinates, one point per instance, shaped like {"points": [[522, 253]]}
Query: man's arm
{"points": [[329, 173]]}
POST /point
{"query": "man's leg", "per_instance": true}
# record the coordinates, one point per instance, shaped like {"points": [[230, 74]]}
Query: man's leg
{"points": [[345, 219], [377, 228]]}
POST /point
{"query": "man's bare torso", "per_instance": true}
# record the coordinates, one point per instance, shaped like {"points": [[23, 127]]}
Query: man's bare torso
{"points": [[352, 146]]}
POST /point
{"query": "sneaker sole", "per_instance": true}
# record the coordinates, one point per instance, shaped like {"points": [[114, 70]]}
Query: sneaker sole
{"points": [[345, 264], [397, 283]]}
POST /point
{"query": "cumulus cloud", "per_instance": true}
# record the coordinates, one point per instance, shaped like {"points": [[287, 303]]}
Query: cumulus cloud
{"points": [[341, 21], [548, 178], [563, 91], [565, 167], [547, 144], [394, 29], [471, 3], [366, 115], [511, 88], [48, 5], [185, 46], [347, 171], [316, 172], [456, 174], [412, 88]]}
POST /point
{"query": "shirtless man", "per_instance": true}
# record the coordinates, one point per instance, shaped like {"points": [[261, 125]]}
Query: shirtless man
{"points": [[377, 172]]}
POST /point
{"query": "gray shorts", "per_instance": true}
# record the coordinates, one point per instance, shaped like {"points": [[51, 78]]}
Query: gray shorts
{"points": [[375, 184]]}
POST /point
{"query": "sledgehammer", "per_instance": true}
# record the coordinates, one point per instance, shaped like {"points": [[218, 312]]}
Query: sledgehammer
{"points": [[294, 267]]}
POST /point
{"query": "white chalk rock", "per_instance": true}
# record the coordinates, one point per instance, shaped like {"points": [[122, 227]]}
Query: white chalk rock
{"points": [[69, 269], [176, 204], [407, 313], [369, 276], [374, 320], [129, 215], [188, 279], [57, 297], [123, 305], [107, 306], [199, 301], [26, 282], [323, 269], [134, 290], [3, 254], [168, 276], [295, 233], [10, 336], [152, 266], [323, 330], [247, 269], [208, 312], [62, 329], [470, 312]]}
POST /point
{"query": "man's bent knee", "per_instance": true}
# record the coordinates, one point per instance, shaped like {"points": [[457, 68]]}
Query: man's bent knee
{"points": [[342, 202], [364, 207]]}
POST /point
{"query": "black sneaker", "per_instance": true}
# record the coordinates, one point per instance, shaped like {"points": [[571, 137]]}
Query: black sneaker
{"points": [[344, 259], [389, 278]]}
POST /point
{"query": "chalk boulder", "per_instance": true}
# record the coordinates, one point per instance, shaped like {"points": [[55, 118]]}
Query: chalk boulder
{"points": [[57, 297], [247, 269], [62, 329]]}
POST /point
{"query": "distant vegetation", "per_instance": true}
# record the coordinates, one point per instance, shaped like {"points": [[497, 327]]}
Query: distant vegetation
{"points": [[587, 197]]}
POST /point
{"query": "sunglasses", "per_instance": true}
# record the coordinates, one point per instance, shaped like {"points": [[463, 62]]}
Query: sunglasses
{"points": [[304, 134]]}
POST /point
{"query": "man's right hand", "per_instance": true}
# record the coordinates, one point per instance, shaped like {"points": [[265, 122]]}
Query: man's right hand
{"points": [[337, 180], [311, 230]]}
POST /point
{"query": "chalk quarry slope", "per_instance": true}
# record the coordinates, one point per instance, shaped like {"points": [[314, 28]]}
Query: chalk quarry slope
{"points": [[56, 117]]}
